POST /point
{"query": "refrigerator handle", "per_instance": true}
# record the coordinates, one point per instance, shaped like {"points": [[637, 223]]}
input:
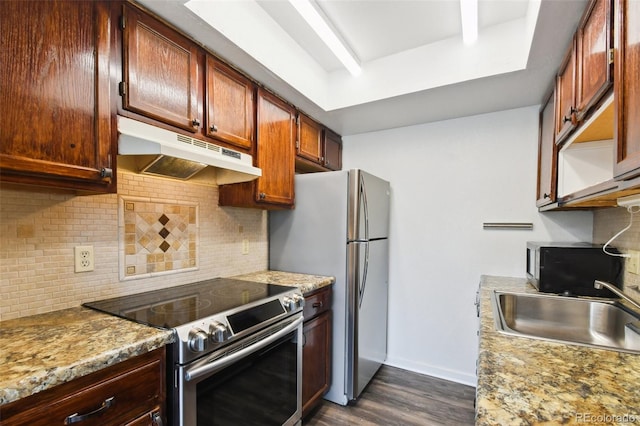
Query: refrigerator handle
{"points": [[363, 285], [365, 207]]}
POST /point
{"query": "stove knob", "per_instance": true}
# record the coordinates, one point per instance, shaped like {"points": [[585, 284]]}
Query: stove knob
{"points": [[219, 332], [197, 340], [289, 303], [299, 300]]}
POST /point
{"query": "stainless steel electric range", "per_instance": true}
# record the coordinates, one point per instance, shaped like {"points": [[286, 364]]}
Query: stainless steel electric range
{"points": [[237, 355]]}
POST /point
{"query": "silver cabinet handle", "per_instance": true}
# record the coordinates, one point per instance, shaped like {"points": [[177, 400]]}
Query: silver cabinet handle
{"points": [[106, 172], [156, 418], [75, 418]]}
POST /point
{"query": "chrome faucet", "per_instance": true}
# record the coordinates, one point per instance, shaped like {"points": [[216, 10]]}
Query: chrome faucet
{"points": [[599, 284]]}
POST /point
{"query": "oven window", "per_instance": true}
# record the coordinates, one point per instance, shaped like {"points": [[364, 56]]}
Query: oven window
{"points": [[260, 389]]}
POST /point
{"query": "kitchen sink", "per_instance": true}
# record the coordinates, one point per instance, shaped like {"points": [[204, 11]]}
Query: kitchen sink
{"points": [[597, 323]]}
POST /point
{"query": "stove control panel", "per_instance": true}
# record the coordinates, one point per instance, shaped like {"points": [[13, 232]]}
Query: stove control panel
{"points": [[213, 332], [293, 302]]}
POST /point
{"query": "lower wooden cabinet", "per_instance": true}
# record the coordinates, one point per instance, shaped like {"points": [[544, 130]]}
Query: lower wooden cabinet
{"points": [[153, 418], [129, 393], [316, 355]]}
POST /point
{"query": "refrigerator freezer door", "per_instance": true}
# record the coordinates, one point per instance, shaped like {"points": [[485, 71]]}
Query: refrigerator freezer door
{"points": [[367, 312], [368, 216]]}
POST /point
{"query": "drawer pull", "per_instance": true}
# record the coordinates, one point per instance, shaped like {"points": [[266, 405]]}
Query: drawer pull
{"points": [[317, 305], [156, 418], [75, 418]]}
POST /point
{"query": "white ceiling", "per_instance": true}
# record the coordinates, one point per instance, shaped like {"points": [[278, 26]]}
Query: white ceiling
{"points": [[374, 29], [415, 66]]}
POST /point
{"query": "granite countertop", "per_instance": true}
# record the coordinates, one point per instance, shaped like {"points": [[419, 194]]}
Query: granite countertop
{"points": [[524, 381], [306, 283], [41, 351]]}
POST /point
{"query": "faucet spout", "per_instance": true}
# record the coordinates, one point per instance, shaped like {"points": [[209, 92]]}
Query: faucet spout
{"points": [[599, 284]]}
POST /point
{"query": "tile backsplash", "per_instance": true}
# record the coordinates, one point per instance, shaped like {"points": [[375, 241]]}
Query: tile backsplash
{"points": [[607, 223], [156, 237], [39, 230]]}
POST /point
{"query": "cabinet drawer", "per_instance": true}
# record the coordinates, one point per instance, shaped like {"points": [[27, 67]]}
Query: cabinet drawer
{"points": [[316, 303], [109, 400], [148, 419]]}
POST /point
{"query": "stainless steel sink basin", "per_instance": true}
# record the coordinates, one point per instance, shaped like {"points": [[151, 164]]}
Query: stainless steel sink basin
{"points": [[604, 324]]}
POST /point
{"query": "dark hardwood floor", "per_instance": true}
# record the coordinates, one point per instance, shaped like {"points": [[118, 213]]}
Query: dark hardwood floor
{"points": [[403, 398]]}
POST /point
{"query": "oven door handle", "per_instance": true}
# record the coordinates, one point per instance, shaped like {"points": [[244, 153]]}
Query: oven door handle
{"points": [[194, 373]]}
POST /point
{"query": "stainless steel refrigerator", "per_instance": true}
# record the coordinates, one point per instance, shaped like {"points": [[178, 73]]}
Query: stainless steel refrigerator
{"points": [[339, 227]]}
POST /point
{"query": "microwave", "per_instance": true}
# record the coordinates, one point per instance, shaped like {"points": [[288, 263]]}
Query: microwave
{"points": [[571, 268]]}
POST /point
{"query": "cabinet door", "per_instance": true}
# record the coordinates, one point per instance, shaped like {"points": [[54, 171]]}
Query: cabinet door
{"points": [[309, 144], [332, 150], [316, 356], [55, 125], [627, 89], [229, 105], [160, 71], [547, 155], [593, 55], [565, 95], [275, 150]]}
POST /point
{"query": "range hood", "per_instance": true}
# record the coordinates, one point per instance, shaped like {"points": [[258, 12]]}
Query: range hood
{"points": [[161, 152]]}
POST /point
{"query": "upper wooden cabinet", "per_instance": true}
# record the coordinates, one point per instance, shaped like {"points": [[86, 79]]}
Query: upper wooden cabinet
{"points": [[547, 155], [318, 149], [599, 161], [229, 105], [160, 71], [332, 150], [595, 62], [275, 150], [309, 143], [565, 120], [168, 80], [627, 88], [585, 74], [55, 126], [275, 155]]}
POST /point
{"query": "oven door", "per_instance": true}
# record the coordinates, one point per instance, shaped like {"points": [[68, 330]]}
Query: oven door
{"points": [[256, 381]]}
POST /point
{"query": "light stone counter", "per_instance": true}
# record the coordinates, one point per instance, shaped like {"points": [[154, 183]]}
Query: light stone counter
{"points": [[41, 351], [306, 283], [525, 381]]}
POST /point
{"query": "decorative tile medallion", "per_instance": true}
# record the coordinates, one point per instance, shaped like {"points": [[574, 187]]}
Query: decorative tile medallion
{"points": [[157, 237]]}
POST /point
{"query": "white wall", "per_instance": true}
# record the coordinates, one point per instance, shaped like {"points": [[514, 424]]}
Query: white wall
{"points": [[448, 178]]}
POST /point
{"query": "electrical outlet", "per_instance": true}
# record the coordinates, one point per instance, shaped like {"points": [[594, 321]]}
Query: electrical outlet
{"points": [[245, 246], [84, 258], [633, 262]]}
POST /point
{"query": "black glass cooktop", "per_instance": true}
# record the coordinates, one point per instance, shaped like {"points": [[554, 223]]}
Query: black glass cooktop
{"points": [[176, 306]]}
